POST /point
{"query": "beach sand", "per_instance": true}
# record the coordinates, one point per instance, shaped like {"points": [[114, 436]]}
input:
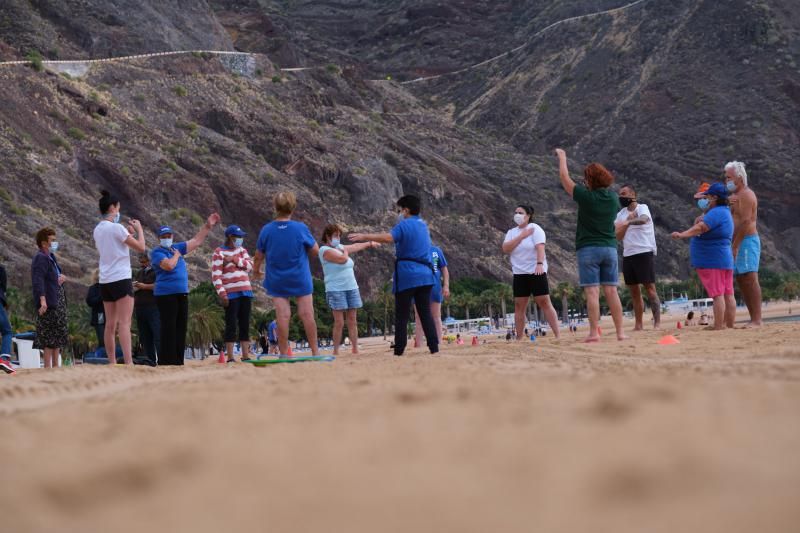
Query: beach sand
{"points": [[547, 436]]}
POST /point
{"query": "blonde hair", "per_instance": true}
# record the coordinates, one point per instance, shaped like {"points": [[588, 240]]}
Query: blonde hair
{"points": [[285, 202]]}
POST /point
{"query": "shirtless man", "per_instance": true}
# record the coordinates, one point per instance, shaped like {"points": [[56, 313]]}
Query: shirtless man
{"points": [[746, 244]]}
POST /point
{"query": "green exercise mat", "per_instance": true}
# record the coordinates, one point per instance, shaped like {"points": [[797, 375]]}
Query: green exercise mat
{"points": [[301, 359]]}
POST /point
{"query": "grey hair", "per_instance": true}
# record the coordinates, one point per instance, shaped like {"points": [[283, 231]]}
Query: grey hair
{"points": [[738, 170]]}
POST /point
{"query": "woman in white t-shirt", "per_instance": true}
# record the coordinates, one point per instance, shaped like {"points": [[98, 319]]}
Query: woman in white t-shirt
{"points": [[525, 244], [114, 242]]}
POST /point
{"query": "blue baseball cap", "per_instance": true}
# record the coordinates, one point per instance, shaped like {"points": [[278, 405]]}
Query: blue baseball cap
{"points": [[234, 230], [717, 189], [164, 230]]}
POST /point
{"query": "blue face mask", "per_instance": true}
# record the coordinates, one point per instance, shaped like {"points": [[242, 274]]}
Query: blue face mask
{"points": [[166, 243], [53, 247], [731, 186], [702, 203], [238, 242], [335, 242]]}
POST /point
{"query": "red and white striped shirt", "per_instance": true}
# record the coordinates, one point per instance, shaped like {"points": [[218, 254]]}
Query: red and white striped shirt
{"points": [[230, 270]]}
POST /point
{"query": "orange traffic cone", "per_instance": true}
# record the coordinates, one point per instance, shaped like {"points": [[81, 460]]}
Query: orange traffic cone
{"points": [[668, 339], [474, 340], [222, 358], [679, 324], [289, 351]]}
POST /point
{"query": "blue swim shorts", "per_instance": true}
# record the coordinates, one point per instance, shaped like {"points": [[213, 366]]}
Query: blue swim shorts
{"points": [[749, 255]]}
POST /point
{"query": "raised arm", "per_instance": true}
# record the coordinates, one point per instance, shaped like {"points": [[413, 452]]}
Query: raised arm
{"points": [[135, 243], [563, 172], [193, 243], [384, 238], [694, 231], [352, 248]]}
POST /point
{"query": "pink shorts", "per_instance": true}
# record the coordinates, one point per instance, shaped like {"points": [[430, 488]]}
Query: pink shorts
{"points": [[716, 281]]}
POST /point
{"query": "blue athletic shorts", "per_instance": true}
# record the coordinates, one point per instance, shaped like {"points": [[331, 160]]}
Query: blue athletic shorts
{"points": [[598, 265], [749, 255], [343, 300]]}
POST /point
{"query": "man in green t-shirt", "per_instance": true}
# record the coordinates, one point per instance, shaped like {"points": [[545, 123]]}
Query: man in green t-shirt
{"points": [[595, 240]]}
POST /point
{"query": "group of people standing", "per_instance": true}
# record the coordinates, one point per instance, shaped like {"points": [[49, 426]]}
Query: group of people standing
{"points": [[724, 244]]}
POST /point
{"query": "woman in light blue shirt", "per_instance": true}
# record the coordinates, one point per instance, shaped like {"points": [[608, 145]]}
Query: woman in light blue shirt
{"points": [[341, 288]]}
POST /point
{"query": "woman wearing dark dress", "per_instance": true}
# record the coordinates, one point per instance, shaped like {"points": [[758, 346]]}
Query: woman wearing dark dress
{"points": [[52, 333]]}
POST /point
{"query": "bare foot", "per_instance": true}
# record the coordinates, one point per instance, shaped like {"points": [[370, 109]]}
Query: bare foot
{"points": [[657, 327], [638, 328], [592, 339], [354, 352], [622, 337]]}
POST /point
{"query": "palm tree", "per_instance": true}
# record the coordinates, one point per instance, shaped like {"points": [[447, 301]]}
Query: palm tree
{"points": [[81, 333], [566, 292], [790, 290], [206, 321], [487, 300], [385, 299], [504, 294]]}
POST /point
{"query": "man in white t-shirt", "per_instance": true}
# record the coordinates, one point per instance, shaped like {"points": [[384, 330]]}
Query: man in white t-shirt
{"points": [[634, 227], [525, 245]]}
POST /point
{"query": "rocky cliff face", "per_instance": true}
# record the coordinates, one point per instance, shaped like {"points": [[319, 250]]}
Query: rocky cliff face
{"points": [[663, 95]]}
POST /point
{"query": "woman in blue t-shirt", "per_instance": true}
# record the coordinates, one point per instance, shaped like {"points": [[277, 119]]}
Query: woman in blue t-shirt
{"points": [[341, 288], [172, 289], [413, 271], [287, 246], [710, 251]]}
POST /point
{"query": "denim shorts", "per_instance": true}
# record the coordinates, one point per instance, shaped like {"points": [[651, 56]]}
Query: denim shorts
{"points": [[343, 300], [598, 265]]}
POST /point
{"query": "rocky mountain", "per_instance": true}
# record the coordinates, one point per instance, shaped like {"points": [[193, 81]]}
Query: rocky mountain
{"points": [[663, 93]]}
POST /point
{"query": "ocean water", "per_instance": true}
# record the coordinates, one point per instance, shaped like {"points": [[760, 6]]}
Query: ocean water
{"points": [[789, 318]]}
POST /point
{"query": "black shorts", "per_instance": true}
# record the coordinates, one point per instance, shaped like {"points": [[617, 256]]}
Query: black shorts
{"points": [[111, 292], [639, 268], [526, 285]]}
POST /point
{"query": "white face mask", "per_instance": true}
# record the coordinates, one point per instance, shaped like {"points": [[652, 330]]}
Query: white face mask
{"points": [[53, 247], [519, 218], [117, 217], [400, 217], [166, 243], [335, 242], [238, 241]]}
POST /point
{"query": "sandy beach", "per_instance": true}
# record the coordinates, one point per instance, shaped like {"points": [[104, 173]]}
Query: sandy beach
{"points": [[546, 436]]}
